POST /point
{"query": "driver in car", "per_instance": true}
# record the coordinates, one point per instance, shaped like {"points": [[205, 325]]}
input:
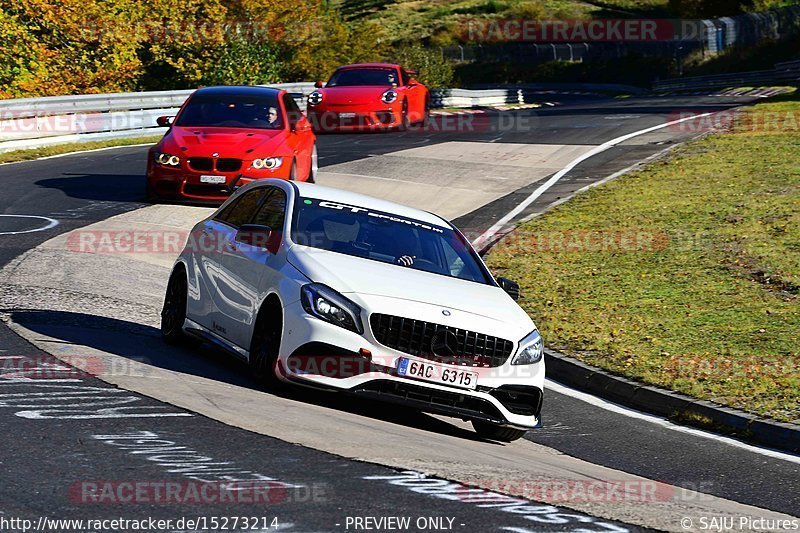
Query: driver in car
{"points": [[272, 118], [408, 242]]}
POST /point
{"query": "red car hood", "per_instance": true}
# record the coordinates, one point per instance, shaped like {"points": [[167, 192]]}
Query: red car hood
{"points": [[228, 142], [354, 95]]}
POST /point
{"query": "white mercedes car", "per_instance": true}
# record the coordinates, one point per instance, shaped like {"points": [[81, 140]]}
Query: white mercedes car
{"points": [[322, 287]]}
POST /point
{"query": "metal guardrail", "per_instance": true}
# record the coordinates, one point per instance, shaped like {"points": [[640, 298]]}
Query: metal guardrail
{"points": [[38, 122], [787, 73]]}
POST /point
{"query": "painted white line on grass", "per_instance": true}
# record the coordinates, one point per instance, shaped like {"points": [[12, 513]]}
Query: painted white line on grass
{"points": [[594, 184], [663, 422], [488, 234]]}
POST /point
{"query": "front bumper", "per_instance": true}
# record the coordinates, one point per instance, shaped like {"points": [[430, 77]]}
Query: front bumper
{"points": [[184, 184], [340, 118], [316, 353]]}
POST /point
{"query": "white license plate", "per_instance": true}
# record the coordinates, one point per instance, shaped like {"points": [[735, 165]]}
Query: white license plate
{"points": [[437, 373], [206, 178], [347, 115]]}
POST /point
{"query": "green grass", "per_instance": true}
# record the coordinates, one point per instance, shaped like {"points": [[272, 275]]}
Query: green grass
{"points": [[36, 153], [707, 304], [412, 20]]}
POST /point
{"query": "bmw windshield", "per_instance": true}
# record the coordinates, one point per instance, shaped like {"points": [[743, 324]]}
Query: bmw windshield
{"points": [[384, 237], [231, 111]]}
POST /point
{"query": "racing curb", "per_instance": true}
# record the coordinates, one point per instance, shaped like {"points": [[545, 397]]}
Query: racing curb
{"points": [[673, 405]]}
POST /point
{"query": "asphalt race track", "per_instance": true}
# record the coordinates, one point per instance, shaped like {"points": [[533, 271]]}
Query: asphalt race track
{"points": [[321, 461]]}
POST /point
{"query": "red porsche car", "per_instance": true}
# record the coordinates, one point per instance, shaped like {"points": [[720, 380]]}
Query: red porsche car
{"points": [[225, 137], [368, 96]]}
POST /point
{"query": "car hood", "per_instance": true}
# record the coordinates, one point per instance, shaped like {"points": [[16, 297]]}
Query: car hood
{"points": [[228, 142], [365, 281], [358, 95]]}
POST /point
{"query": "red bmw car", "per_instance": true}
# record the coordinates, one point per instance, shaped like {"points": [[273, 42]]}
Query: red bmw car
{"points": [[368, 96], [225, 137]]}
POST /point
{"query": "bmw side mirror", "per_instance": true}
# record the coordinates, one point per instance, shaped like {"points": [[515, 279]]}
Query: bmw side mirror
{"points": [[318, 84], [164, 122], [258, 236], [293, 118], [511, 287]]}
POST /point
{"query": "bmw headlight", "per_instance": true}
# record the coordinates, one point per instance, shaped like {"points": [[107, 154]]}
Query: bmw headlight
{"points": [[268, 162], [389, 96], [325, 303], [315, 98], [530, 351], [167, 160]]}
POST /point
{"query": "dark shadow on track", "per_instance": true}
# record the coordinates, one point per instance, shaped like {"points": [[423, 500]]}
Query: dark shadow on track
{"points": [[102, 187], [143, 344]]}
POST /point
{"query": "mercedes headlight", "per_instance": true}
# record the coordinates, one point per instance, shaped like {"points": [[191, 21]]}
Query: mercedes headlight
{"points": [[389, 96], [167, 160], [268, 162], [325, 303], [315, 98], [530, 351]]}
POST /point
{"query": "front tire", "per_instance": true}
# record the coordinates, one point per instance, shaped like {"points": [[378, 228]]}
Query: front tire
{"points": [[498, 433], [264, 351], [404, 123], [150, 193], [312, 171], [173, 314]]}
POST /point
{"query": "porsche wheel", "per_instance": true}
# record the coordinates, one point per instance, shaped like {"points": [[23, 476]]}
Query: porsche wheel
{"points": [[404, 123], [498, 433], [173, 314], [426, 118]]}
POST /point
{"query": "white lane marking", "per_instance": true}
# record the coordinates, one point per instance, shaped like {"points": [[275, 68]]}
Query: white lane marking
{"points": [[51, 223], [663, 422], [65, 154], [594, 184], [488, 234]]}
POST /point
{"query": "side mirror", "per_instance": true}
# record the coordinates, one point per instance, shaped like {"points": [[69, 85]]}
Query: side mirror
{"points": [[292, 119], [318, 84], [258, 236], [412, 82], [164, 122], [511, 287]]}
